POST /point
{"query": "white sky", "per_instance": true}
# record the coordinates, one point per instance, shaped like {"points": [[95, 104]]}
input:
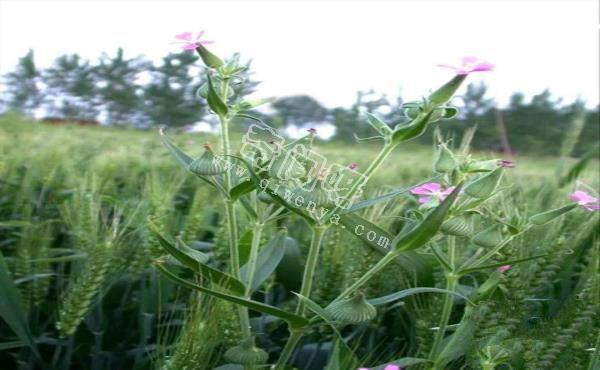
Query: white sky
{"points": [[331, 49]]}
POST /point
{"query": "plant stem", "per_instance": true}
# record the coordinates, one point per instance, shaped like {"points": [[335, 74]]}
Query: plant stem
{"points": [[258, 227], [287, 351], [234, 257], [311, 265], [451, 283], [387, 149], [389, 257]]}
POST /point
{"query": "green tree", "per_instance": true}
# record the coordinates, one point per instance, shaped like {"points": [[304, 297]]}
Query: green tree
{"points": [[23, 93], [170, 99], [117, 88], [71, 90]]}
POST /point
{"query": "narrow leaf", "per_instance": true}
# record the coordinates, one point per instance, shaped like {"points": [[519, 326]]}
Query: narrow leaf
{"points": [[214, 100], [183, 159], [244, 245], [423, 232], [295, 321], [11, 310], [191, 261], [242, 188], [267, 260], [412, 291]]}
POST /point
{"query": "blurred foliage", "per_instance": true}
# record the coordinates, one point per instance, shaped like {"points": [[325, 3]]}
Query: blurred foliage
{"points": [[134, 91]]}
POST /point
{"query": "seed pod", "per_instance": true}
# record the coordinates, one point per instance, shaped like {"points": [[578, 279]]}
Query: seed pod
{"points": [[457, 226], [446, 161], [490, 237], [353, 310], [246, 353], [207, 164], [485, 186], [285, 166]]}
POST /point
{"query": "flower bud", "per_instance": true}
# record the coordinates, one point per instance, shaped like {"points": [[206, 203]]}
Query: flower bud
{"points": [[446, 161], [246, 353], [490, 237], [209, 59], [485, 185], [207, 164], [457, 226], [353, 310], [545, 217], [444, 93]]}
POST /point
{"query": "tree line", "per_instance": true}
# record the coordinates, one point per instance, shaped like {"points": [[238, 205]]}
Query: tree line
{"points": [[133, 91]]}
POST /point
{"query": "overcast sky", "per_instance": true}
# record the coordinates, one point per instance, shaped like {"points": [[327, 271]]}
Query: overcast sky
{"points": [[331, 49]]}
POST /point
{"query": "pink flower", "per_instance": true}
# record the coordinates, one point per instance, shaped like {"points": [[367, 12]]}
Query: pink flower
{"points": [[585, 200], [506, 163], [387, 367], [468, 65], [431, 190], [504, 268], [353, 166], [189, 42]]}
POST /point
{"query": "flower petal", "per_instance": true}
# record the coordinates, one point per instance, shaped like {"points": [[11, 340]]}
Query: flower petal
{"points": [[424, 199], [185, 36], [482, 67], [191, 46], [429, 188], [391, 367]]}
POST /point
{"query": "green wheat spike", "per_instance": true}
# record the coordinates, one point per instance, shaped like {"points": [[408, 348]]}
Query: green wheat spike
{"points": [[79, 296]]}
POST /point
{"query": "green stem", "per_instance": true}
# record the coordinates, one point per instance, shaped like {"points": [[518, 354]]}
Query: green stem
{"points": [[387, 149], [258, 227], [287, 351], [234, 257], [389, 257], [311, 265], [451, 283]]}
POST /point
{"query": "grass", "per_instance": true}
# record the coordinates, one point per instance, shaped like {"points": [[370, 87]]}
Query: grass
{"points": [[74, 203]]}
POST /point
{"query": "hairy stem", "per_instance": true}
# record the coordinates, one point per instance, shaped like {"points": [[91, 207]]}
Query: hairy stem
{"points": [[389, 257], [287, 351], [451, 283], [311, 265]]}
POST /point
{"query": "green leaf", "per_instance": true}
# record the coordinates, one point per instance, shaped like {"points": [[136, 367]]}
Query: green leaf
{"points": [[254, 177], [494, 265], [242, 188], [11, 310], [183, 159], [385, 197], [545, 217], [449, 112], [190, 259], [267, 260], [244, 245], [412, 130], [458, 343], [214, 100], [371, 234], [412, 291], [376, 238], [295, 321], [378, 124], [426, 230]]}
